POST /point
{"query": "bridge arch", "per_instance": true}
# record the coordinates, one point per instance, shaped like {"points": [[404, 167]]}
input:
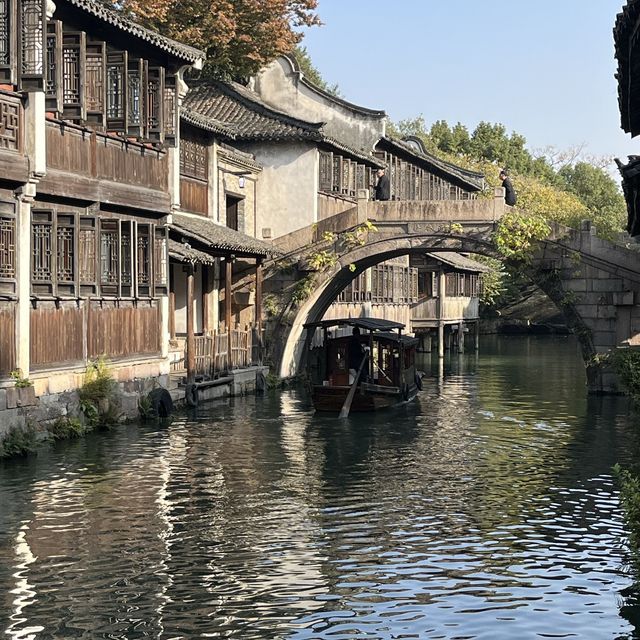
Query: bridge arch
{"points": [[328, 284]]}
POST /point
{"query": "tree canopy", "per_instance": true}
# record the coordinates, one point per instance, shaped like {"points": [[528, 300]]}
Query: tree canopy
{"points": [[239, 36]]}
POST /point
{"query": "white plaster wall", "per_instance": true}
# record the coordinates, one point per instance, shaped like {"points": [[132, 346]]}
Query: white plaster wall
{"points": [[279, 86], [287, 188], [180, 283]]}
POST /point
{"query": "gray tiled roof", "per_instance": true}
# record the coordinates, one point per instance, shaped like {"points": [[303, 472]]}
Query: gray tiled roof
{"points": [[469, 179], [458, 261], [101, 11], [240, 112], [185, 253], [215, 237], [235, 112]]}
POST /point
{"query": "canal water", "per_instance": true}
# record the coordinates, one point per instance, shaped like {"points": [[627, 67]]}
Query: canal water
{"points": [[486, 509]]}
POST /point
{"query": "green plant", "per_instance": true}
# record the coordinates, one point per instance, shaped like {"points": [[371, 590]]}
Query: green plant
{"points": [[626, 364], [328, 236], [65, 428], [19, 380], [303, 289], [99, 395], [456, 227], [358, 236], [323, 259], [270, 304], [273, 381], [18, 442], [629, 484], [518, 234]]}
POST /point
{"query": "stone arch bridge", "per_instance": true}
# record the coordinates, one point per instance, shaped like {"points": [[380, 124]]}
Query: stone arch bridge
{"points": [[595, 284]]}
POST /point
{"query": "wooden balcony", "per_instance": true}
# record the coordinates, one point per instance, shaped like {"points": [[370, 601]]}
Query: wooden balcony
{"points": [[91, 165], [14, 166]]}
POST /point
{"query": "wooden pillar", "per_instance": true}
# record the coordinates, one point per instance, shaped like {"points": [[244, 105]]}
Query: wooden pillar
{"points": [[477, 335], [228, 262], [206, 299], [172, 304], [191, 336], [461, 337], [258, 307]]}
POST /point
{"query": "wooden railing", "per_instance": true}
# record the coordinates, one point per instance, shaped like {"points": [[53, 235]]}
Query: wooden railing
{"points": [[92, 154], [220, 352]]}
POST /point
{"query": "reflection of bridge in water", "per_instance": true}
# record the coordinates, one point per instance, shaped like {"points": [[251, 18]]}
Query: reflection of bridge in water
{"points": [[593, 282]]}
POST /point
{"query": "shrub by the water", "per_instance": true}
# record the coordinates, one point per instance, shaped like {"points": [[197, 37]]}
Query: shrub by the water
{"points": [[99, 396], [18, 442]]}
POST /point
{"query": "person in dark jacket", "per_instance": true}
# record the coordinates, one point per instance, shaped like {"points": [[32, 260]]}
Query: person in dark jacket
{"points": [[509, 191], [382, 188]]}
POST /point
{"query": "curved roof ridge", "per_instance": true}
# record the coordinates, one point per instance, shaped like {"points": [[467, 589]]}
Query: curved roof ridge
{"points": [[380, 113]]}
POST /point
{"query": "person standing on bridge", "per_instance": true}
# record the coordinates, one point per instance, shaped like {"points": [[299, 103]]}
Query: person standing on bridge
{"points": [[509, 191], [382, 188]]}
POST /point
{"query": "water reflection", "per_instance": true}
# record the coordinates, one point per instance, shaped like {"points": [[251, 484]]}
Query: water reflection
{"points": [[484, 508]]}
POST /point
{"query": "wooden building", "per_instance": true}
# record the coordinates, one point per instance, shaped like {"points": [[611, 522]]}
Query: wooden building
{"points": [[89, 109], [449, 287]]}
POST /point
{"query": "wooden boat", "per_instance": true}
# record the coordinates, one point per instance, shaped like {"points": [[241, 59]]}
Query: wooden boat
{"points": [[388, 374]]}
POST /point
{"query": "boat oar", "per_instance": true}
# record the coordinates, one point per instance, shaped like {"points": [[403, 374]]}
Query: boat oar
{"points": [[346, 407]]}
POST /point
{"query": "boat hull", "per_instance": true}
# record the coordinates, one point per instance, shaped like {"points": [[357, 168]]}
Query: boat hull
{"points": [[368, 397]]}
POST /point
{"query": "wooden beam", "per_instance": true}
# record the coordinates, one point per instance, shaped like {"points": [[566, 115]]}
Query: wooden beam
{"points": [[258, 308], [191, 336]]}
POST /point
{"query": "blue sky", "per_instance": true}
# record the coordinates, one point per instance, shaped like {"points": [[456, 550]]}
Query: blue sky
{"points": [[544, 69]]}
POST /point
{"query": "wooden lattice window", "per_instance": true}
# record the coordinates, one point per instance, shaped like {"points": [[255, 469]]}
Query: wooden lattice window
{"points": [[361, 177], [9, 125], [66, 253], [95, 84], [337, 173], [117, 90], [155, 103], [109, 257], [170, 110], [160, 260], [126, 259], [326, 171], [42, 252], [136, 91], [5, 32], [88, 256], [7, 247], [33, 44], [194, 159], [53, 76], [143, 259], [73, 75]]}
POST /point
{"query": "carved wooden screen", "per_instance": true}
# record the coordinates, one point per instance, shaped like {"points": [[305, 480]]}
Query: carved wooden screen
{"points": [[66, 254], [155, 103], [170, 110], [109, 257], [143, 260], [73, 76], [42, 252], [7, 248], [126, 259], [326, 171], [32, 44], [160, 260], [117, 91], [136, 102], [88, 256], [95, 87], [361, 177], [193, 159], [10, 122], [53, 79]]}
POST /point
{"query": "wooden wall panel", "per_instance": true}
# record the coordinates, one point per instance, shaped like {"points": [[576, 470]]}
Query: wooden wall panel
{"points": [[122, 332], [194, 196], [68, 149], [7, 340], [56, 336]]}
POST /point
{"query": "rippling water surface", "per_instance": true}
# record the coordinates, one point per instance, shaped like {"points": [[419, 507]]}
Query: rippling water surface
{"points": [[486, 509]]}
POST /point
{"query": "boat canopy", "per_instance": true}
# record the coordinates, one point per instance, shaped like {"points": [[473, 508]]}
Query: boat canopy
{"points": [[370, 324]]}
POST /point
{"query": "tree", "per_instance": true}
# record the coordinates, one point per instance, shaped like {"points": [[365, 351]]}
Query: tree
{"points": [[312, 73], [599, 193], [239, 36]]}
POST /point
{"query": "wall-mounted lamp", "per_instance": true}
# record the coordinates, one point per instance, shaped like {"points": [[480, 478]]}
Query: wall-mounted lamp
{"points": [[241, 182]]}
